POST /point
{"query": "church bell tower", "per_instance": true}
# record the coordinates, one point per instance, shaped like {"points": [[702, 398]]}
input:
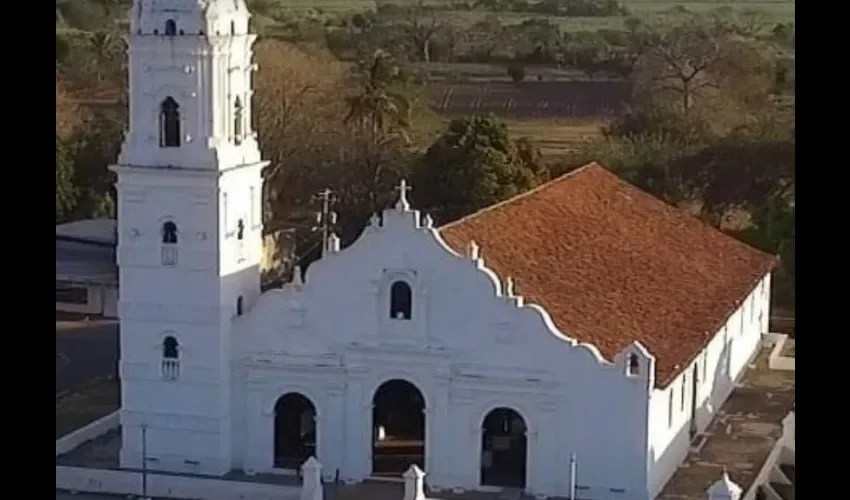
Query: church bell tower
{"points": [[190, 230]]}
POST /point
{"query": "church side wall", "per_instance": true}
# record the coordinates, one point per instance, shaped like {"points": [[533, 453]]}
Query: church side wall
{"points": [[716, 368]]}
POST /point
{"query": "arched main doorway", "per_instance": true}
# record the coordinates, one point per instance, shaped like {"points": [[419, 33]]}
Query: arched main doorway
{"points": [[294, 431], [398, 428], [504, 449]]}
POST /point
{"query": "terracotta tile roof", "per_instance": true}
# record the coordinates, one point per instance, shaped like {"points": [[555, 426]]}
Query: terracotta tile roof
{"points": [[612, 264]]}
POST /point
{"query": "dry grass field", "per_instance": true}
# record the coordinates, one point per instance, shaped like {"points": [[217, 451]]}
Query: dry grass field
{"points": [[555, 137]]}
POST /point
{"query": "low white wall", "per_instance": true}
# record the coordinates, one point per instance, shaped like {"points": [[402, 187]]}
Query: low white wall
{"points": [[101, 300], [94, 430], [777, 361], [130, 483]]}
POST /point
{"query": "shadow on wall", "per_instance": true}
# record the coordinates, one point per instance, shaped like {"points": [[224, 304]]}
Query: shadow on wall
{"points": [[674, 454]]}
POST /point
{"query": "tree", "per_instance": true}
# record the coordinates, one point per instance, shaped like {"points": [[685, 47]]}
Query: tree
{"points": [[738, 173], [302, 102], [473, 164], [378, 107], [68, 113], [422, 29], [773, 230], [297, 106], [66, 192], [97, 143], [108, 51], [682, 64], [483, 38], [380, 117]]}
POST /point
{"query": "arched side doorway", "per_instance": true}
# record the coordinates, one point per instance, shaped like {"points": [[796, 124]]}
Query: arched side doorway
{"points": [[294, 431], [398, 428], [504, 449]]}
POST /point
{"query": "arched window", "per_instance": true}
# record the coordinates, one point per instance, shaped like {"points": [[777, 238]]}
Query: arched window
{"points": [[169, 232], [169, 123], [634, 365], [170, 27], [239, 302], [237, 121], [240, 229], [401, 300], [169, 348]]}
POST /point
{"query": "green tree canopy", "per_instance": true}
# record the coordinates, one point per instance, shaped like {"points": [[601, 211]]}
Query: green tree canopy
{"points": [[472, 165], [66, 192]]}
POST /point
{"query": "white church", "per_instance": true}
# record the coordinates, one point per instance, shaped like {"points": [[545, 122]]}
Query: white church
{"points": [[577, 337]]}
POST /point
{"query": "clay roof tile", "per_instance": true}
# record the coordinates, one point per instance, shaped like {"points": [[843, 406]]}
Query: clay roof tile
{"points": [[613, 264]]}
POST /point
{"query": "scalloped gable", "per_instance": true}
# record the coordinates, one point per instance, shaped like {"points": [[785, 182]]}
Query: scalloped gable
{"points": [[613, 265], [403, 218]]}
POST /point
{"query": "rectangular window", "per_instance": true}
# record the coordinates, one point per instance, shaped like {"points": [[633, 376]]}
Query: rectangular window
{"points": [[704, 365], [684, 389], [670, 408], [753, 309], [741, 322], [70, 294]]}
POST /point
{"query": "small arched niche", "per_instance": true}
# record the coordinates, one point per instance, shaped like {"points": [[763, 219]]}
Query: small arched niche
{"points": [[170, 358], [633, 365], [170, 27], [401, 300]]}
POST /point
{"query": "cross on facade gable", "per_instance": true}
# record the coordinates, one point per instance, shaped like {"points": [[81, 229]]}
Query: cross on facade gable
{"points": [[402, 189]]}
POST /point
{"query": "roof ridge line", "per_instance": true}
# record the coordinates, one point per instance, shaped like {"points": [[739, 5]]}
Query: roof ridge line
{"points": [[522, 195]]}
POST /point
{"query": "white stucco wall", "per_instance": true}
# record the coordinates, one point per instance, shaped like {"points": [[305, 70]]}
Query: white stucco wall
{"points": [[469, 349], [718, 367]]}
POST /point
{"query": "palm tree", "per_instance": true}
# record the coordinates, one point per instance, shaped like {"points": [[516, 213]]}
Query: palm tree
{"points": [[104, 47], [378, 108], [380, 114]]}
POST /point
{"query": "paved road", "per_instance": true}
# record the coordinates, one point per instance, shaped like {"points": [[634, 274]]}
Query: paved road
{"points": [[64, 495], [85, 351]]}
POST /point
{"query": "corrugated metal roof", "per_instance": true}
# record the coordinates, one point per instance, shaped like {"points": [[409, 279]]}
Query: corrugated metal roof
{"points": [[82, 263]]}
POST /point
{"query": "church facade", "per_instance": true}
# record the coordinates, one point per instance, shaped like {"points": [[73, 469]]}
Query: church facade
{"points": [[575, 338]]}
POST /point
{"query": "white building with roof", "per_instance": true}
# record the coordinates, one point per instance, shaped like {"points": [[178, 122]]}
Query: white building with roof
{"points": [[86, 272], [584, 320]]}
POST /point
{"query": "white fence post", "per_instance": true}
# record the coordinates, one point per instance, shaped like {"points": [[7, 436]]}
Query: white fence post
{"points": [[414, 484], [311, 471]]}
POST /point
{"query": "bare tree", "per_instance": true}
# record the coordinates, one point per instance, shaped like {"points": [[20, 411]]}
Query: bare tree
{"points": [[693, 61], [422, 28], [298, 103]]}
